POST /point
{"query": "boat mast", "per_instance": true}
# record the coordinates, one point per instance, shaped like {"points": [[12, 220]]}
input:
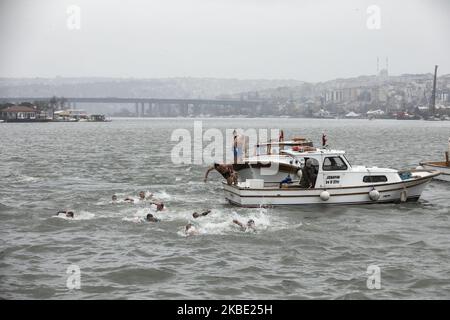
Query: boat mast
{"points": [[433, 95]]}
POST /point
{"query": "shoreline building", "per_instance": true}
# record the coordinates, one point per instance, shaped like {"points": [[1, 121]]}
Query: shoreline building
{"points": [[19, 114]]}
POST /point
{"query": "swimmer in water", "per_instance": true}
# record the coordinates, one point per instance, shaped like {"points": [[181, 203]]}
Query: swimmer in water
{"points": [[151, 218], [190, 230], [159, 206], [244, 227], [68, 214], [143, 197], [204, 213], [129, 200]]}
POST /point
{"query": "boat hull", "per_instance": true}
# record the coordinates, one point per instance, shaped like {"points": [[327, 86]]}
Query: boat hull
{"points": [[391, 192]]}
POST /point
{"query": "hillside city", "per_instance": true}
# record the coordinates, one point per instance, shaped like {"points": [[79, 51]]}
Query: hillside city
{"points": [[406, 96]]}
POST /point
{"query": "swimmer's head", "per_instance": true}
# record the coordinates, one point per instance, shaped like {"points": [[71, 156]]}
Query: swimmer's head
{"points": [[188, 227], [142, 195], [114, 197], [251, 223], [159, 206], [69, 214], [195, 215], [149, 216]]}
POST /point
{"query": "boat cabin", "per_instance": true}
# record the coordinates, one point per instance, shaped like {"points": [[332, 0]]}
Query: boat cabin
{"points": [[331, 169]]}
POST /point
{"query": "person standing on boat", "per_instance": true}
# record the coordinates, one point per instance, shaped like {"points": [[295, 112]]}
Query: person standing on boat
{"points": [[226, 170], [309, 175], [235, 146], [448, 153], [281, 139], [240, 146]]}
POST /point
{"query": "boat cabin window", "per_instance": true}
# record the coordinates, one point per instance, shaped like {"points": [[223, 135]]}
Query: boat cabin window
{"points": [[333, 164], [373, 179]]}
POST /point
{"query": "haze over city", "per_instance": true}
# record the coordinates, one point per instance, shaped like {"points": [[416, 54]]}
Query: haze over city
{"points": [[309, 41]]}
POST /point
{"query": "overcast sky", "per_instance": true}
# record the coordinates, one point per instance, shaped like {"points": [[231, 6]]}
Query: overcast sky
{"points": [[247, 39]]}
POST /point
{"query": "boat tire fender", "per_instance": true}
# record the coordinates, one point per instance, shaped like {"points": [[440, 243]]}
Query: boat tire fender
{"points": [[403, 196]]}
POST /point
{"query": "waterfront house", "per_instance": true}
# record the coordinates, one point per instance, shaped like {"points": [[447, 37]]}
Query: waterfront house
{"points": [[19, 114]]}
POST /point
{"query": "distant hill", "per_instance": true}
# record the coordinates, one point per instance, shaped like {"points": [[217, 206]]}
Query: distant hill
{"points": [[135, 88]]}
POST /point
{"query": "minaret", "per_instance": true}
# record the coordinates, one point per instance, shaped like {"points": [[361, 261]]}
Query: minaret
{"points": [[387, 65], [378, 66]]}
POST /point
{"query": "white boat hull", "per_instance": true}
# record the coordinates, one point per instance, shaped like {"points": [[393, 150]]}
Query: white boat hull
{"points": [[273, 196]]}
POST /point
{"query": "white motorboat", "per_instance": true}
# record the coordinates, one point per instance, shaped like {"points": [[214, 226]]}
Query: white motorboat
{"points": [[335, 182], [442, 166], [271, 163]]}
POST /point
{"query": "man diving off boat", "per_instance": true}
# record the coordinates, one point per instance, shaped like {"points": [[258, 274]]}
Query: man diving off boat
{"points": [[226, 170]]}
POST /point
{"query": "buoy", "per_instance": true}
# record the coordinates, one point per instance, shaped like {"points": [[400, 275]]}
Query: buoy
{"points": [[325, 195], [403, 196], [374, 195]]}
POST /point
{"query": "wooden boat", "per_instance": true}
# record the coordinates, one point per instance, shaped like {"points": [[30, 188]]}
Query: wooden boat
{"points": [[442, 166]]}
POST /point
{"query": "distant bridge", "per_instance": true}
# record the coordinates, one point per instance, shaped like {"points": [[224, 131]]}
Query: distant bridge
{"points": [[160, 107]]}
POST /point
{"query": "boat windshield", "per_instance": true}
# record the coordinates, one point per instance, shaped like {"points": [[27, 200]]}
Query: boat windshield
{"points": [[346, 160]]}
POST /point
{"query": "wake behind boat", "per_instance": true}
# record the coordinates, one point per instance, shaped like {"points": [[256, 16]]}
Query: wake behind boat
{"points": [[327, 177]]}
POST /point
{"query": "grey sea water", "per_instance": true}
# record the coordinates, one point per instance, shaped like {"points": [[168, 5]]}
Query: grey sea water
{"points": [[297, 253]]}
